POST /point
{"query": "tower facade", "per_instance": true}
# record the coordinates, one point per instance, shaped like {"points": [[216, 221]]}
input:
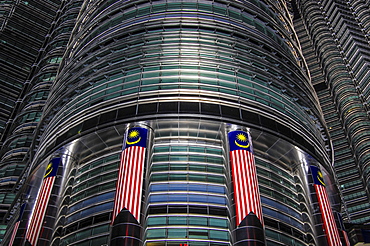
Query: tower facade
{"points": [[180, 123], [335, 41], [24, 27]]}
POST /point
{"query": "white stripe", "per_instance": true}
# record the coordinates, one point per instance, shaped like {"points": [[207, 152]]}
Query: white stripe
{"points": [[236, 186], [15, 230], [139, 183], [126, 194], [35, 214], [44, 205], [240, 186], [129, 183], [39, 210], [246, 192], [346, 238], [260, 216], [243, 185], [135, 182], [247, 184], [328, 218], [257, 200]]}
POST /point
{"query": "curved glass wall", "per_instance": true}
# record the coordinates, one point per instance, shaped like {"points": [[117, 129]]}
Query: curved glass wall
{"points": [[24, 26], [89, 204], [339, 50], [188, 187], [252, 66], [188, 193], [190, 72], [23, 133]]}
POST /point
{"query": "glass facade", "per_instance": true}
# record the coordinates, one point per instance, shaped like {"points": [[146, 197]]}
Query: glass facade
{"points": [[187, 201], [187, 190], [339, 79], [189, 73], [24, 26]]}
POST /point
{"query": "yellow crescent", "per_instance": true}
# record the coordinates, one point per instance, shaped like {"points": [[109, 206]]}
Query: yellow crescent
{"points": [[48, 172], [133, 142], [319, 179], [242, 146]]}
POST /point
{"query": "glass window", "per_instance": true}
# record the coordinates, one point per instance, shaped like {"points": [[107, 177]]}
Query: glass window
{"points": [[198, 221], [198, 233], [99, 241], [156, 221], [181, 176], [159, 167], [100, 229], [177, 220], [177, 233], [215, 222], [219, 235], [83, 234], [156, 233], [177, 198]]}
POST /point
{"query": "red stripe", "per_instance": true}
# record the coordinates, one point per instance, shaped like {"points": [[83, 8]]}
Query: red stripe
{"points": [[14, 233], [247, 185], [329, 224], [236, 187], [246, 192], [129, 182], [256, 189], [252, 186], [130, 202], [258, 201], [346, 239], [134, 183], [242, 185], [38, 214], [127, 192], [140, 183], [122, 176], [49, 182]]}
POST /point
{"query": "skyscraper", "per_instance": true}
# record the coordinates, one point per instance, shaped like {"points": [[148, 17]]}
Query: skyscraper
{"points": [[177, 123], [335, 40], [23, 27]]}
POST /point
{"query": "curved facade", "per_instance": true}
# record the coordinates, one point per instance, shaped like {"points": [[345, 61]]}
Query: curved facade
{"points": [[189, 74], [337, 34], [24, 26]]}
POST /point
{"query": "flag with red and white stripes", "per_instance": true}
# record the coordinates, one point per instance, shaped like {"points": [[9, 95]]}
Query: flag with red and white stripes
{"points": [[130, 174], [342, 229], [16, 226], [244, 176], [329, 224], [41, 203], [346, 239]]}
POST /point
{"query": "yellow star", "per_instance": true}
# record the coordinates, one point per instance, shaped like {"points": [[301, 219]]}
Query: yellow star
{"points": [[242, 137], [133, 134]]}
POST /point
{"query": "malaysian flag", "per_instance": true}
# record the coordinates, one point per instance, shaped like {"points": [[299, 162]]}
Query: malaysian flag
{"points": [[16, 226], [346, 239], [41, 203], [244, 175], [130, 174], [342, 230], [329, 224]]}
